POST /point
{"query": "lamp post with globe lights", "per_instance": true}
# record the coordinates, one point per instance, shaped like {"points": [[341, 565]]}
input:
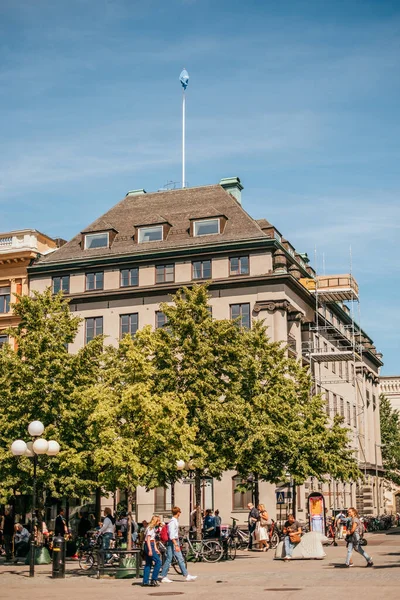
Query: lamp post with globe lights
{"points": [[190, 467], [33, 449]]}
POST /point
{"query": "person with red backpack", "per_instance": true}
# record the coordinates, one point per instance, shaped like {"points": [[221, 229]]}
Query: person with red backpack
{"points": [[170, 533]]}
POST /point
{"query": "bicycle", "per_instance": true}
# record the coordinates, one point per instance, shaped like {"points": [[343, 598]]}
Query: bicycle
{"points": [[275, 535], [241, 539], [210, 551], [87, 552]]}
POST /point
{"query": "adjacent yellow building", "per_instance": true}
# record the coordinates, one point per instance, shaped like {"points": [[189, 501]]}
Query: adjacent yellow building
{"points": [[18, 249]]}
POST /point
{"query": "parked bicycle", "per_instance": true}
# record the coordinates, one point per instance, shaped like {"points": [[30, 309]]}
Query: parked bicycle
{"points": [[239, 538], [275, 535], [210, 551]]}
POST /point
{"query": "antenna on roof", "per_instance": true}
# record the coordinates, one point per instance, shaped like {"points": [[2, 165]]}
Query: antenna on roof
{"points": [[184, 79]]}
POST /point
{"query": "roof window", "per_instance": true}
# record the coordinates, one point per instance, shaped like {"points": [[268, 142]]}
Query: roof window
{"points": [[206, 227], [150, 234], [96, 240]]}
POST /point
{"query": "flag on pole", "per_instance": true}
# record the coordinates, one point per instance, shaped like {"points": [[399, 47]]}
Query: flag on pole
{"points": [[184, 78]]}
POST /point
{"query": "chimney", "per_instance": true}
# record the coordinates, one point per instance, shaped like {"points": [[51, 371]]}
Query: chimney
{"points": [[233, 186], [136, 192]]}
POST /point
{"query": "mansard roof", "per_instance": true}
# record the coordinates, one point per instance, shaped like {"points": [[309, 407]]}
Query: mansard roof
{"points": [[178, 208]]}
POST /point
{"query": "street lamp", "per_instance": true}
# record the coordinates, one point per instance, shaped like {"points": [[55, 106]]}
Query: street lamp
{"points": [[32, 449]]}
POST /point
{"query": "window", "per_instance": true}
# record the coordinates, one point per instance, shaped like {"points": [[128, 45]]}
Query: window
{"points": [[342, 407], [335, 405], [201, 269], [333, 367], [3, 340], [240, 499], [354, 416], [96, 240], [5, 299], [94, 281], [346, 371], [94, 327], [326, 350], [374, 402], [327, 405], [239, 265], [129, 277], [242, 312], [61, 284], [348, 414], [292, 346], [340, 369], [165, 273], [150, 234], [161, 319], [160, 498], [206, 227], [368, 398], [128, 324]]}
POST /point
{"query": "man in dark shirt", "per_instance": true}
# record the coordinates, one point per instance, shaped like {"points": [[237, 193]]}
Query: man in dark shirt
{"points": [[254, 515], [84, 525], [60, 525], [292, 531], [7, 526]]}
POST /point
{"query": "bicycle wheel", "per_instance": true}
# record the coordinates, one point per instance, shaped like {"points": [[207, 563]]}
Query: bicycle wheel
{"points": [[176, 566], [231, 550], [274, 541], [212, 551], [86, 562]]}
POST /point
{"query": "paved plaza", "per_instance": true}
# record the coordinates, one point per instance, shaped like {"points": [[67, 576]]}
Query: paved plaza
{"points": [[251, 575]]}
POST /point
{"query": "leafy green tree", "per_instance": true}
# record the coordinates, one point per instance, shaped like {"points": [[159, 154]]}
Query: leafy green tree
{"points": [[41, 380], [390, 436], [198, 358], [141, 432], [286, 428]]}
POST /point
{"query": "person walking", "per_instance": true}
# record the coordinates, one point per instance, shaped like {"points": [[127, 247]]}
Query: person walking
{"points": [[252, 519], [84, 525], [152, 553], [218, 523], [355, 533], [60, 527], [7, 527], [173, 549], [107, 530], [292, 531]]}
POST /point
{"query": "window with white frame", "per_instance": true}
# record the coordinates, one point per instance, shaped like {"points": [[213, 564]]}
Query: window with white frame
{"points": [[96, 240], [150, 234], [240, 499], [206, 227]]}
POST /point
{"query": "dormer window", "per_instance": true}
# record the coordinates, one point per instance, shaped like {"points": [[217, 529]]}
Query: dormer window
{"points": [[150, 234], [96, 240], [206, 227]]}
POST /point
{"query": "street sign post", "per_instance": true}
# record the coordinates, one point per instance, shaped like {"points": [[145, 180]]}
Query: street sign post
{"points": [[280, 499]]}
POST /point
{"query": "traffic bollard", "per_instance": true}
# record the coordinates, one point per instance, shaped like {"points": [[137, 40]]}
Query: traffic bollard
{"points": [[58, 571]]}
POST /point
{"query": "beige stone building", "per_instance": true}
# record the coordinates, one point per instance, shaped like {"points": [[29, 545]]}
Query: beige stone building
{"points": [[117, 271], [390, 387], [18, 249]]}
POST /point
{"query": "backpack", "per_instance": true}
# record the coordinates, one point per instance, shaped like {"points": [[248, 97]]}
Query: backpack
{"points": [[164, 537]]}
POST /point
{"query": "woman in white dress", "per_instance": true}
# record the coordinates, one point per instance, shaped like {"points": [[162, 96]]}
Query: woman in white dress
{"points": [[261, 531]]}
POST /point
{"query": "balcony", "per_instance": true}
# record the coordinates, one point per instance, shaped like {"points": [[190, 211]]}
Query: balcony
{"points": [[332, 288]]}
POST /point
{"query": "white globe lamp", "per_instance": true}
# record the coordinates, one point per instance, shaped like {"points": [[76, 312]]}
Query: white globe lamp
{"points": [[18, 448], [35, 428], [29, 450], [40, 446], [53, 448], [180, 465]]}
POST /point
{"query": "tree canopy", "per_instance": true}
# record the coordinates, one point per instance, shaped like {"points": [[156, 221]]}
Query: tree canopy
{"points": [[390, 436]]}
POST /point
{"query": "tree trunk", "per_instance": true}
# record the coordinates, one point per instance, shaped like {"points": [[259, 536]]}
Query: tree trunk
{"points": [[197, 492], [256, 490], [294, 498], [98, 505], [172, 494], [129, 523]]}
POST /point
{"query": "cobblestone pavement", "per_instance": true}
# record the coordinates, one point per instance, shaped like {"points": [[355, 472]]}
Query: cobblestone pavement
{"points": [[251, 575]]}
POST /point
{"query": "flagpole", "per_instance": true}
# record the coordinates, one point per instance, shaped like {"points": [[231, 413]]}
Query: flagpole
{"points": [[183, 136]]}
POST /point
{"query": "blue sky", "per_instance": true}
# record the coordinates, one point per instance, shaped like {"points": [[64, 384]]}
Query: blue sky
{"points": [[299, 98]]}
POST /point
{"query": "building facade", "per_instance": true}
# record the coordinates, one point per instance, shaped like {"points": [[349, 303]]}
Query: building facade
{"points": [[18, 249], [390, 387], [117, 271]]}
